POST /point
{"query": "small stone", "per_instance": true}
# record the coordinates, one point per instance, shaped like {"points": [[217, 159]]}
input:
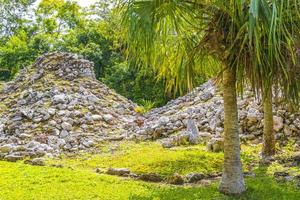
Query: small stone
{"points": [[296, 157], [108, 118], [205, 136], [118, 171], [215, 145], [96, 117], [176, 179], [51, 111], [61, 98], [167, 144], [252, 117], [150, 177], [163, 120], [206, 96], [6, 148], [62, 112], [287, 130], [278, 123], [205, 182], [13, 158], [193, 132], [57, 165], [88, 143], [24, 136], [66, 126], [195, 177], [40, 152], [36, 162], [64, 134]]}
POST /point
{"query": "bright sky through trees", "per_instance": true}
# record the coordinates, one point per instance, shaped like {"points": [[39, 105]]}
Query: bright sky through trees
{"points": [[82, 3]]}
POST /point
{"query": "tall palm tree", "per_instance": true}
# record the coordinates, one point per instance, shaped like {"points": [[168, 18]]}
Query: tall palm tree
{"points": [[178, 38], [274, 34]]}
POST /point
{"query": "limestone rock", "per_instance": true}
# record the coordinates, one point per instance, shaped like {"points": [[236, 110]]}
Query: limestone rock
{"points": [[150, 177], [176, 179], [296, 157], [36, 162], [215, 145], [66, 126], [193, 132], [195, 177], [118, 171], [6, 148], [278, 123], [108, 118], [13, 158], [60, 98]]}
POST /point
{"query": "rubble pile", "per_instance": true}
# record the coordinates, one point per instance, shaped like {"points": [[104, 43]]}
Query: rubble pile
{"points": [[58, 105]]}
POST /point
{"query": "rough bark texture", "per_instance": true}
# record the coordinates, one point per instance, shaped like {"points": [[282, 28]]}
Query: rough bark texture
{"points": [[268, 135], [232, 182]]}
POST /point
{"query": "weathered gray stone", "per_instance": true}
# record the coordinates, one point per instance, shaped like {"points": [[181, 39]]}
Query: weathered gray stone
{"points": [[194, 177], [215, 145], [66, 126], [36, 162], [51, 111], [176, 179], [278, 123], [296, 157], [6, 148], [60, 98], [64, 134], [13, 158], [96, 117], [150, 177], [118, 171], [193, 132], [108, 118]]}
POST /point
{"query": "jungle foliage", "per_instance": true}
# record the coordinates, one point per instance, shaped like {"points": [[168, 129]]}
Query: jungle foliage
{"points": [[30, 30]]}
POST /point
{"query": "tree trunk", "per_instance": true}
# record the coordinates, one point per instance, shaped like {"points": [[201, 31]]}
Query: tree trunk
{"points": [[268, 136], [232, 179]]}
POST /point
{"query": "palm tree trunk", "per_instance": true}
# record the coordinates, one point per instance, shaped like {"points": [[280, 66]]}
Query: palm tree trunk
{"points": [[268, 136], [232, 179]]}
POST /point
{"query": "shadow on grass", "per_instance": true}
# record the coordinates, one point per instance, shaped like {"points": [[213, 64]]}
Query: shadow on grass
{"points": [[190, 163], [262, 187]]}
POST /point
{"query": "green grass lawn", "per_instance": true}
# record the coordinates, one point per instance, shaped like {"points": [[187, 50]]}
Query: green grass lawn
{"points": [[77, 180], [148, 157]]}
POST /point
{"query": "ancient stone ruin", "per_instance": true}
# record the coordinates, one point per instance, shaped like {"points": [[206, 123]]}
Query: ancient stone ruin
{"points": [[57, 105], [204, 106]]}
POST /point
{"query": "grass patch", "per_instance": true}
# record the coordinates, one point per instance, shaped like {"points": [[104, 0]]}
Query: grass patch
{"points": [[149, 157], [77, 180], [19, 181]]}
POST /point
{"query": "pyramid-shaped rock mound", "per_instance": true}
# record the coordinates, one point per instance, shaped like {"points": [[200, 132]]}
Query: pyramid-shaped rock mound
{"points": [[58, 105], [204, 107]]}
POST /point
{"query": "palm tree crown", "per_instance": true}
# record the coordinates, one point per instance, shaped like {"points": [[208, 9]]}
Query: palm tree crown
{"points": [[181, 38]]}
